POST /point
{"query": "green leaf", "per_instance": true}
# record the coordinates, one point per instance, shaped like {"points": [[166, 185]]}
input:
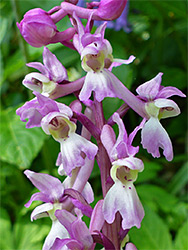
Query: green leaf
{"points": [[15, 67], [30, 235], [175, 77], [125, 74], [110, 105], [3, 28], [157, 195], [181, 240], [6, 240], [19, 146], [153, 233], [179, 180], [178, 216], [150, 171]]}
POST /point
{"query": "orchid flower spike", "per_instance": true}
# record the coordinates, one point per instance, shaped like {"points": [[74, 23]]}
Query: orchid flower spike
{"points": [[38, 29], [158, 106], [39, 107], [74, 148], [122, 196], [51, 73], [97, 61]]}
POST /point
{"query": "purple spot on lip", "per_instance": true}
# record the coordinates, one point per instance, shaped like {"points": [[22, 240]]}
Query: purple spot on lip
{"points": [[129, 187], [129, 179], [125, 177], [123, 186]]}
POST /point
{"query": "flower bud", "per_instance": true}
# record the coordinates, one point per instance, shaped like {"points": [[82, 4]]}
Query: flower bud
{"points": [[110, 9], [130, 246], [37, 27]]}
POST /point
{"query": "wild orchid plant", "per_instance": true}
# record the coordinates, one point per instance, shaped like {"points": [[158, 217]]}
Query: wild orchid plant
{"points": [[65, 203]]}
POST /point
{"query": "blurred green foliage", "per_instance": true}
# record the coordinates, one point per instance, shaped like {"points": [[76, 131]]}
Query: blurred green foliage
{"points": [[159, 42]]}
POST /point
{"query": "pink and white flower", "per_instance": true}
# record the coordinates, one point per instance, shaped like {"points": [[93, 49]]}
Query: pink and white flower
{"points": [[122, 196], [97, 61], [158, 107], [74, 148]]}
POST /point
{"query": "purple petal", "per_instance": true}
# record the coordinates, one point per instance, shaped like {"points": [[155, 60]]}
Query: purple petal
{"points": [[149, 90], [57, 71], [66, 219], [133, 134], [97, 218], [103, 83], [122, 131], [72, 149], [41, 211], [154, 136], [66, 244], [57, 231], [40, 67], [77, 37], [38, 197], [60, 244], [108, 138], [64, 109], [80, 27], [36, 109], [37, 27], [30, 84], [77, 44], [101, 29], [118, 62], [130, 246], [30, 111], [110, 10], [81, 184], [89, 38], [168, 108], [90, 49], [167, 92], [88, 193], [47, 184], [79, 201], [85, 209], [50, 106], [82, 234], [130, 162], [120, 149], [100, 238], [134, 150], [47, 119], [126, 201]]}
